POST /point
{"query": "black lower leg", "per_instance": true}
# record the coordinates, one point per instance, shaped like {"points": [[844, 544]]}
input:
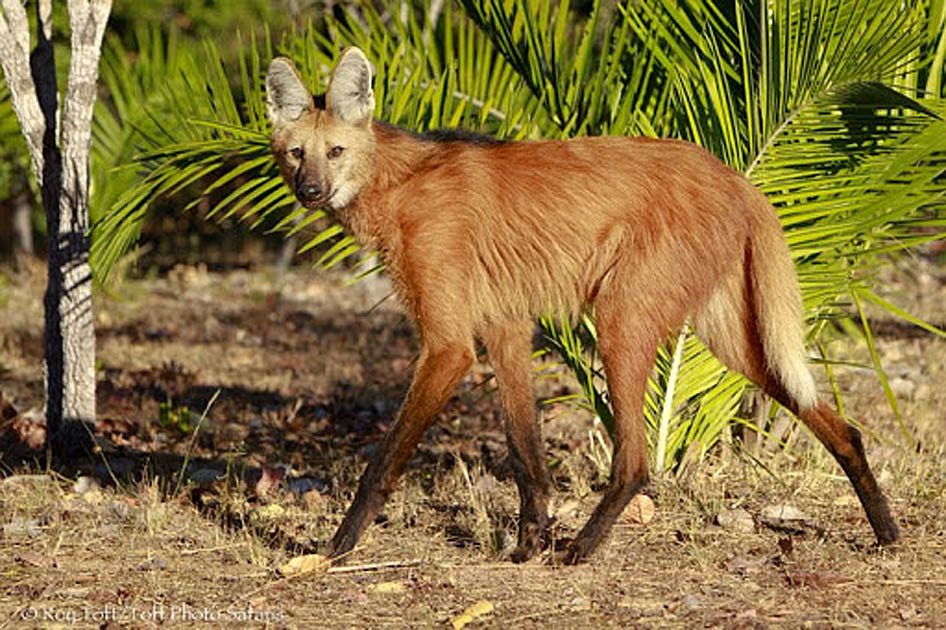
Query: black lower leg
{"points": [[615, 499]]}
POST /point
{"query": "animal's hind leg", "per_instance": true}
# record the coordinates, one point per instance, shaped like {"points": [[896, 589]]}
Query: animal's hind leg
{"points": [[727, 324], [509, 347], [844, 442], [628, 348]]}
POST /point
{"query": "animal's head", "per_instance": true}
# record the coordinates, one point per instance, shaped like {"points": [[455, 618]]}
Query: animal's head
{"points": [[324, 151]]}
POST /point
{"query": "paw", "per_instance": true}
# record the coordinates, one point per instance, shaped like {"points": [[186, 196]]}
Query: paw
{"points": [[342, 543], [888, 533], [578, 551], [531, 541], [522, 554]]}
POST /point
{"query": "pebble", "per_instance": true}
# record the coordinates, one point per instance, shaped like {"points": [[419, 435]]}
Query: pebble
{"points": [[736, 520]]}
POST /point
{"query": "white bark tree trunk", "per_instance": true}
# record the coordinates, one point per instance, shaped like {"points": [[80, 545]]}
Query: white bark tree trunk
{"points": [[59, 152]]}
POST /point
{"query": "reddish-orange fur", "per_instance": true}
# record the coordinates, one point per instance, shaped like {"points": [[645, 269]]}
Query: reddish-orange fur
{"points": [[481, 237]]}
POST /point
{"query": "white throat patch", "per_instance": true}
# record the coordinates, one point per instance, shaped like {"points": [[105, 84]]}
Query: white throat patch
{"points": [[343, 196]]}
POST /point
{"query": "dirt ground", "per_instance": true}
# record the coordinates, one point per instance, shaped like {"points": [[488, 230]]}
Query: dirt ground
{"points": [[269, 390]]}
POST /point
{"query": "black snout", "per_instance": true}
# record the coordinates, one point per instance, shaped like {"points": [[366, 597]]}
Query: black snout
{"points": [[309, 192]]}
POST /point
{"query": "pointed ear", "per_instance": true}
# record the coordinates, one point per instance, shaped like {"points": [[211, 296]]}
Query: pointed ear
{"points": [[287, 97], [349, 96]]}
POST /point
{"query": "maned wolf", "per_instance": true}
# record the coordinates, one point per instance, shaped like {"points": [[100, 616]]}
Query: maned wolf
{"points": [[480, 236]]}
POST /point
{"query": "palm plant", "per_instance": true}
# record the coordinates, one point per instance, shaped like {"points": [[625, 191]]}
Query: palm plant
{"points": [[795, 93]]}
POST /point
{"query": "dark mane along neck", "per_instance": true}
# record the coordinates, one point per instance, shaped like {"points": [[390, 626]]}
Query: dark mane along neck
{"points": [[444, 135], [466, 136], [400, 151]]}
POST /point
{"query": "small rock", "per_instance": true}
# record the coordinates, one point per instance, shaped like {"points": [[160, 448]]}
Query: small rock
{"points": [[736, 520], [640, 510], [579, 603], [902, 387], [690, 602], [785, 517], [20, 527], [305, 485], [305, 564], [784, 513], [205, 476], [85, 484]]}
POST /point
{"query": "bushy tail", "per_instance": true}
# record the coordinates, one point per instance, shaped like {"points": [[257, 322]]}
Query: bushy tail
{"points": [[753, 320], [778, 310]]}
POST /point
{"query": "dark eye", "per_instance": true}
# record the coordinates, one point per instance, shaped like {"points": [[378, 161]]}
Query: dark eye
{"points": [[334, 152], [296, 152]]}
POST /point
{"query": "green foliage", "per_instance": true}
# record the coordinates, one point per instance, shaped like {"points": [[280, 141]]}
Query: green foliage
{"points": [[14, 158], [175, 417], [804, 96], [198, 19]]}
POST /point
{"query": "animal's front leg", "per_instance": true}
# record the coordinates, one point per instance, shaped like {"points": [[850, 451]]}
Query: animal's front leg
{"points": [[438, 372], [510, 349]]}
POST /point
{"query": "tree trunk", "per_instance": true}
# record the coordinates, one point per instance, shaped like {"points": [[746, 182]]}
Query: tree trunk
{"points": [[59, 151]]}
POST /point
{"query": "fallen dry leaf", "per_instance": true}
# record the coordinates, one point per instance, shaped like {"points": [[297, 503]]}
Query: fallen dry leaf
{"points": [[816, 580], [270, 479], [270, 512], [36, 559], [478, 609], [389, 587], [305, 564]]}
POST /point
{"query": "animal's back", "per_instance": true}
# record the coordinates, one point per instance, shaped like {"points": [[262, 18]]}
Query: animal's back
{"points": [[545, 223]]}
